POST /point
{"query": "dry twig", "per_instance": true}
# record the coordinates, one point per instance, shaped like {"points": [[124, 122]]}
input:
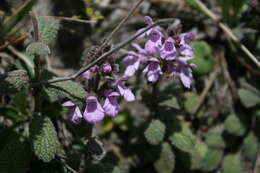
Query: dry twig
{"points": [[211, 80], [227, 31]]}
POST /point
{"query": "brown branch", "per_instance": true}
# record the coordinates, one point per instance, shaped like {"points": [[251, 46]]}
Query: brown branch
{"points": [[35, 27], [15, 41], [228, 78]]}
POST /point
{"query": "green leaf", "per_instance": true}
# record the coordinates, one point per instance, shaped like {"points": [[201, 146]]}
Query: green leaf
{"points": [[44, 139], [124, 121], [13, 81], [11, 113], [250, 146], [48, 29], [248, 98], [198, 154], [234, 125], [16, 18], [203, 57], [231, 164], [166, 161], [68, 89], [215, 140], [182, 141], [212, 159], [15, 155], [20, 100], [38, 48], [190, 101], [171, 103], [155, 132]]}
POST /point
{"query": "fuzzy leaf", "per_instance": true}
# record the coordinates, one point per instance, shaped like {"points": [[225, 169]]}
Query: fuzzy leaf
{"points": [[234, 125], [231, 164], [203, 57], [43, 138], [67, 89], [48, 29], [182, 141], [166, 161], [37, 48], [155, 132], [198, 154], [215, 140], [15, 155], [248, 98], [171, 103], [212, 159], [13, 81], [191, 100], [11, 113], [250, 146]]}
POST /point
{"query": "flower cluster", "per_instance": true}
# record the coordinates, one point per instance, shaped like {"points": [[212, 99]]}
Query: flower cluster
{"points": [[163, 53], [104, 87]]}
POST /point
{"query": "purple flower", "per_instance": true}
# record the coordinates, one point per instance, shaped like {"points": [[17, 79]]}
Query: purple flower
{"points": [[186, 50], [111, 105], [154, 43], [106, 68], [122, 89], [149, 21], [153, 70], [93, 113], [184, 70], [132, 62], [185, 40], [89, 73], [74, 113], [168, 51]]}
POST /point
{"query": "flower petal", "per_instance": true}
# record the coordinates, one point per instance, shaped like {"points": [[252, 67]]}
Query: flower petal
{"points": [[126, 93]]}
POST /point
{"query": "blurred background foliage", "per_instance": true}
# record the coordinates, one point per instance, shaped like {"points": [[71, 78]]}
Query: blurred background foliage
{"points": [[214, 127]]}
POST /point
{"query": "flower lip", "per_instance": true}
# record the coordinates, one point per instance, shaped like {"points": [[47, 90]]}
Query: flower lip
{"points": [[153, 60], [114, 94], [68, 104]]}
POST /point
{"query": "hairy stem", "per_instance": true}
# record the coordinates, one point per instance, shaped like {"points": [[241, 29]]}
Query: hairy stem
{"points": [[37, 66]]}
